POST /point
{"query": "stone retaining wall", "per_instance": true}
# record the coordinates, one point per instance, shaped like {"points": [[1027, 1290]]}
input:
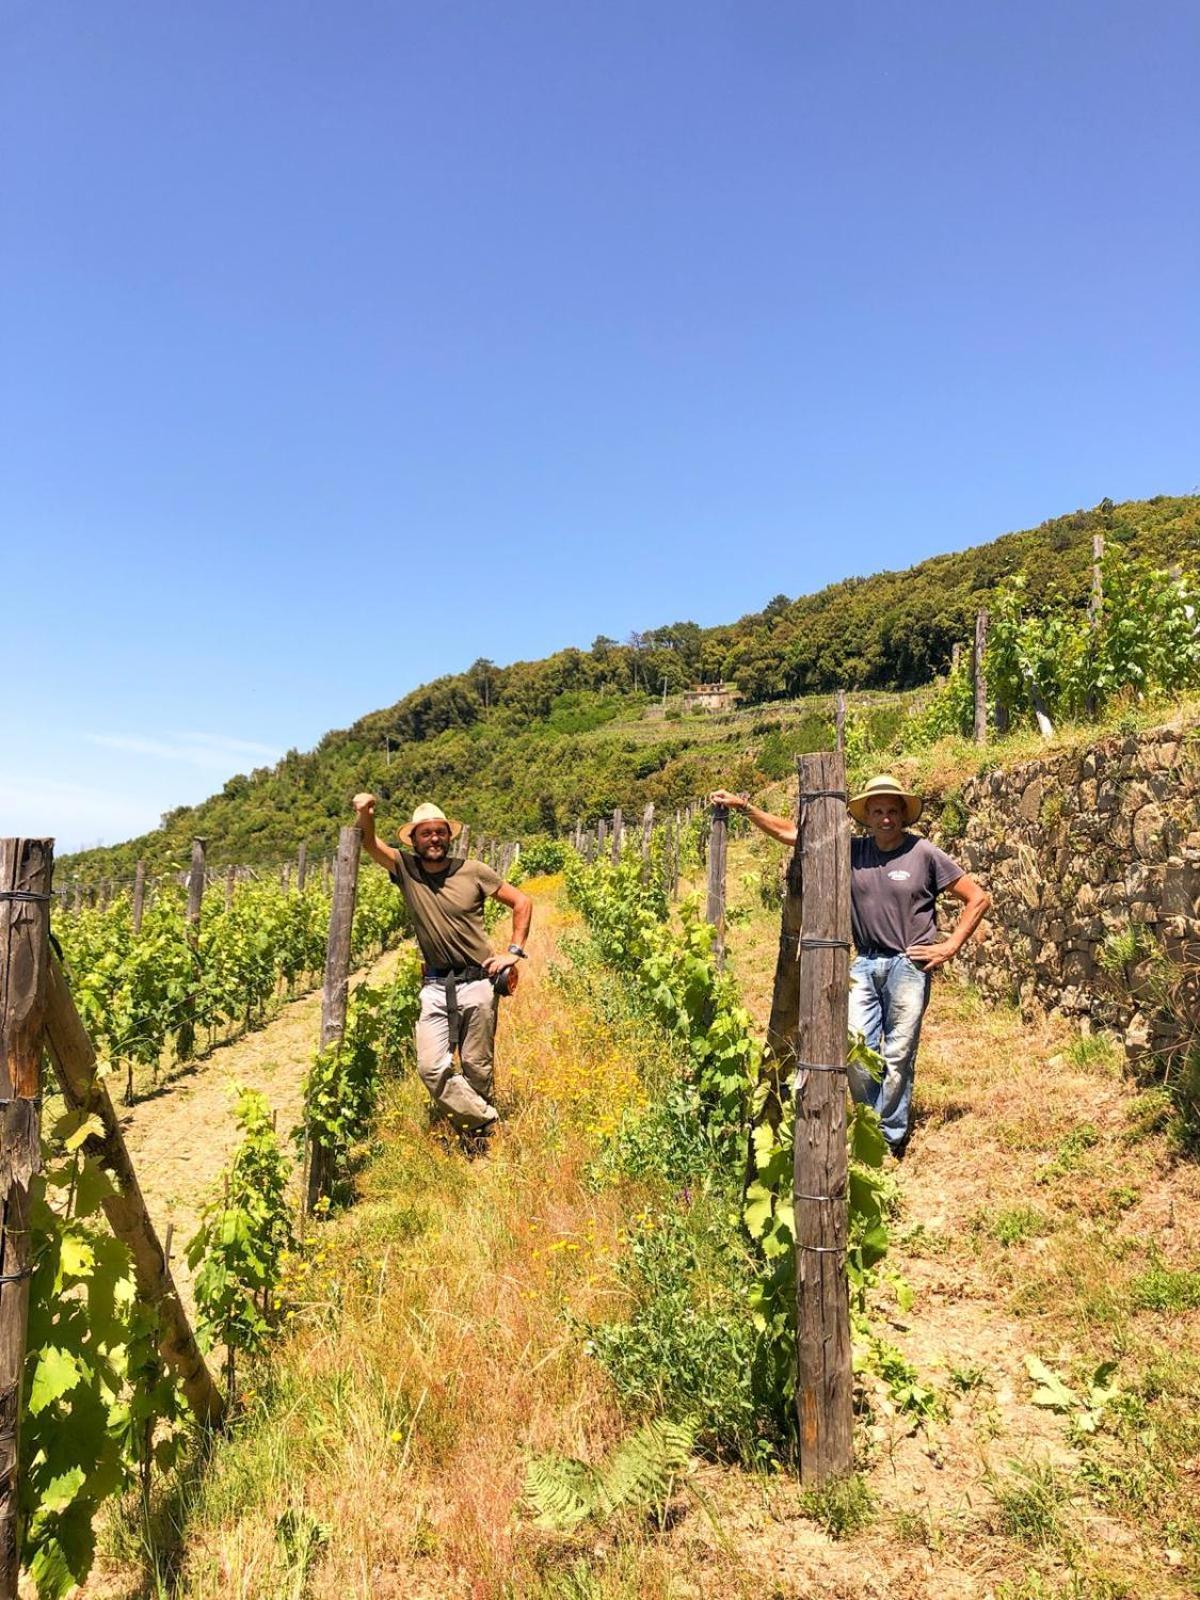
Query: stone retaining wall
{"points": [[1092, 858]]}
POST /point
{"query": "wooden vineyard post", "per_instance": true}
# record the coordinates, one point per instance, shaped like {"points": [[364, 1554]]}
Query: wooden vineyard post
{"points": [[1096, 610], [26, 866], [139, 896], [647, 835], [715, 908], [337, 988], [464, 841], [618, 835], [839, 723], [186, 1042], [981, 719], [301, 868], [823, 1359], [601, 835], [195, 890], [785, 996], [230, 885], [73, 1059], [77, 897]]}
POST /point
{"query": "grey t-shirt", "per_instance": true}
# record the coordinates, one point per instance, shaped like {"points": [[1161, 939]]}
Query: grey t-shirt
{"points": [[893, 894]]}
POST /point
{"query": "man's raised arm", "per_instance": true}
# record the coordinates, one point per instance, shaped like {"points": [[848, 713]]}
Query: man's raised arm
{"points": [[364, 814], [774, 827]]}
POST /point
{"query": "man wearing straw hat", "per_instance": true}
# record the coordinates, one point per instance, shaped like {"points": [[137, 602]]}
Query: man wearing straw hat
{"points": [[895, 880], [463, 978]]}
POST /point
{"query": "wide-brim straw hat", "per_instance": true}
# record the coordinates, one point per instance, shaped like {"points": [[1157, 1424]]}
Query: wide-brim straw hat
{"points": [[884, 784], [428, 813]]}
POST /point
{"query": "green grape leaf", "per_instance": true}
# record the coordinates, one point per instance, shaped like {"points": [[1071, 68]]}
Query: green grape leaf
{"points": [[56, 1374]]}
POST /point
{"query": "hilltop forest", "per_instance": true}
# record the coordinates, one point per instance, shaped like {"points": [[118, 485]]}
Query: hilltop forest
{"points": [[529, 747]]}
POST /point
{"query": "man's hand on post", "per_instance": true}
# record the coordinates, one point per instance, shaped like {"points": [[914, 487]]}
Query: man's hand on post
{"points": [[723, 797], [364, 811]]}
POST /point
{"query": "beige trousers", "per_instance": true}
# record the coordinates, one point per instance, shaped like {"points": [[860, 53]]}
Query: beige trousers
{"points": [[465, 1095]]}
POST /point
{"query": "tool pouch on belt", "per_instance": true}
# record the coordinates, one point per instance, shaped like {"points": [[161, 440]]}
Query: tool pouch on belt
{"points": [[503, 983]]}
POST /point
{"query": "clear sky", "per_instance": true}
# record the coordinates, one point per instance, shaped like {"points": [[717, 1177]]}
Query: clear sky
{"points": [[343, 344]]}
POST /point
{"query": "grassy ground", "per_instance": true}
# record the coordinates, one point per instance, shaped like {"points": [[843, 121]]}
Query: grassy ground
{"points": [[438, 1342]]}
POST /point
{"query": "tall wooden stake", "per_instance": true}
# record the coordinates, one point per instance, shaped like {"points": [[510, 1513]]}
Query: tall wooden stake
{"points": [[1096, 607], [647, 833], [337, 986], [715, 908], [785, 997], [839, 722], [464, 841], [195, 888], [26, 867], [74, 1061], [981, 719], [301, 868], [823, 1358], [618, 835], [139, 896]]}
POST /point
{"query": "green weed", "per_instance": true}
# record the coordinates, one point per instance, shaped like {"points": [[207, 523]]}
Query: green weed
{"points": [[1162, 1288], [1029, 1503], [1017, 1223], [841, 1507]]}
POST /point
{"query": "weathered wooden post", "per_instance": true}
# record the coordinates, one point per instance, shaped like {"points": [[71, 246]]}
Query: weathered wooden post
{"points": [[839, 722], [336, 994], [230, 885], [823, 1357], [77, 898], [195, 888], [618, 835], [1096, 609], [647, 832], [715, 908], [464, 840], [601, 835], [780, 1059], [74, 1062], [981, 717], [301, 867], [26, 868], [139, 896]]}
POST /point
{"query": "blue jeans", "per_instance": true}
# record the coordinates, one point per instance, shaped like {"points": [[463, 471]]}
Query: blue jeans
{"points": [[888, 996]]}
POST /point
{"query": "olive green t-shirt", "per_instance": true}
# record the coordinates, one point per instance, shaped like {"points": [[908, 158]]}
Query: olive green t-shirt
{"points": [[447, 910]]}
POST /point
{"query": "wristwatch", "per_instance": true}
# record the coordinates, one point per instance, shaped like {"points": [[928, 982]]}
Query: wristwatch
{"points": [[515, 950]]}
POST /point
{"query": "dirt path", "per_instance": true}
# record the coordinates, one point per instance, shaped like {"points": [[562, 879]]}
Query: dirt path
{"points": [[182, 1136]]}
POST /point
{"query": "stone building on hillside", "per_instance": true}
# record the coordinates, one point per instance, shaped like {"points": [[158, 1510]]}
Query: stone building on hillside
{"points": [[711, 697]]}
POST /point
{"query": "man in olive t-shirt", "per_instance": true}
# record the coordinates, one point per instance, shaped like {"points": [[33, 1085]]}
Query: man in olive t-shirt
{"points": [[445, 897], [895, 880]]}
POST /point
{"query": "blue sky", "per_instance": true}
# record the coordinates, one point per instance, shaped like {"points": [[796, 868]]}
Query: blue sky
{"points": [[343, 345]]}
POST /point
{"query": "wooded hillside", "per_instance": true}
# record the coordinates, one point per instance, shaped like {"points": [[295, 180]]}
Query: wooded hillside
{"points": [[531, 746]]}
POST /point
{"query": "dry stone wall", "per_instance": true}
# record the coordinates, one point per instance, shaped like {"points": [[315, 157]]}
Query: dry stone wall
{"points": [[1092, 858]]}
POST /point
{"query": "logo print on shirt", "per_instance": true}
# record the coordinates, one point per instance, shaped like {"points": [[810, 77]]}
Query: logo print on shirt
{"points": [[899, 875]]}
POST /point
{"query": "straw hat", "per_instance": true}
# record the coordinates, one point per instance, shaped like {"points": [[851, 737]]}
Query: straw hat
{"points": [[884, 784], [428, 813]]}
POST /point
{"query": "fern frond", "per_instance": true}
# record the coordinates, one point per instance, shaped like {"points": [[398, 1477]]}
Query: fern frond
{"points": [[641, 1469], [560, 1491]]}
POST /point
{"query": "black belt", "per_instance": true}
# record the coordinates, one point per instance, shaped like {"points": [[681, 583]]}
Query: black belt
{"points": [[451, 977]]}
